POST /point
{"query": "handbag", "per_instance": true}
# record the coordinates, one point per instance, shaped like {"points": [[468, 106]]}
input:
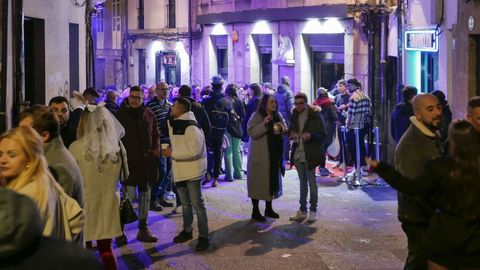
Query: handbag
{"points": [[127, 213], [334, 148]]}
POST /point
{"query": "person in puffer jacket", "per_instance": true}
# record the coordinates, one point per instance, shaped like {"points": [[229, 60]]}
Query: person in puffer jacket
{"points": [[189, 165]]}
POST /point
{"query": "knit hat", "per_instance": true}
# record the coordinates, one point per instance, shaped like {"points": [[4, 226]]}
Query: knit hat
{"points": [[217, 80]]}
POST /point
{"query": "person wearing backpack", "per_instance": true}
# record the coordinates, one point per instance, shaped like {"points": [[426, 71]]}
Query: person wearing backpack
{"points": [[284, 97], [218, 108]]}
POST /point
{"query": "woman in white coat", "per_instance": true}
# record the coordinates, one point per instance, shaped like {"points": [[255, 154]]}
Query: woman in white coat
{"points": [[98, 151]]}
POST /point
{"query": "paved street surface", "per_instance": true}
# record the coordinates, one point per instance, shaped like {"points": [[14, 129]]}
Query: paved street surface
{"points": [[356, 229]]}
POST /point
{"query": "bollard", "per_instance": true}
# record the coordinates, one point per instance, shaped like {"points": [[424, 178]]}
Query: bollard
{"points": [[357, 150], [343, 132]]}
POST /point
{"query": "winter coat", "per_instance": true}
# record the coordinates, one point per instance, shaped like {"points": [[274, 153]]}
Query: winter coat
{"points": [[102, 196], [142, 144], [112, 106], [452, 239], [68, 134], [236, 124], [249, 111], [416, 147], [189, 152], [329, 115], [201, 116], [400, 120], [315, 126], [22, 245], [216, 101], [339, 101], [258, 164], [284, 97], [65, 169]]}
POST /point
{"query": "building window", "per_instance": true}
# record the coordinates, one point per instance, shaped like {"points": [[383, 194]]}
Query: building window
{"points": [[116, 25], [100, 23], [171, 14], [116, 22]]}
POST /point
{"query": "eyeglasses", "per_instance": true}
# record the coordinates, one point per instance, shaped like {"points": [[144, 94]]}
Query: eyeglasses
{"points": [[135, 97]]}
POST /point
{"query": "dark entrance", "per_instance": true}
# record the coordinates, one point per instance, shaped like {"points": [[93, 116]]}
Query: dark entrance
{"points": [[141, 66], [74, 57], [34, 42], [474, 69], [327, 60], [171, 65]]}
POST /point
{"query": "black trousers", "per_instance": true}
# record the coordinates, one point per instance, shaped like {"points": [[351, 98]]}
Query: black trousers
{"points": [[352, 145], [215, 144], [417, 251]]}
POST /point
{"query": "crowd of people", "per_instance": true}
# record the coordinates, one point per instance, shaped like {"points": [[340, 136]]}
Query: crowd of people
{"points": [[74, 158]]}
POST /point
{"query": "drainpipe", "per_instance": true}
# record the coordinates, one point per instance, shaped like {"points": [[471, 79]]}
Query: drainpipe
{"points": [[90, 47], [190, 41], [141, 17], [399, 50], [125, 55], [3, 79], [18, 60]]}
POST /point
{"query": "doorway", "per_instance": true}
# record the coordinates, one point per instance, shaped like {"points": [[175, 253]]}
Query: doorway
{"points": [[142, 71], [74, 57], [473, 67], [34, 50], [328, 68]]}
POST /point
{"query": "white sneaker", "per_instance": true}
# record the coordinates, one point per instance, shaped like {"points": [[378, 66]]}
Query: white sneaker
{"points": [[312, 216], [300, 215]]}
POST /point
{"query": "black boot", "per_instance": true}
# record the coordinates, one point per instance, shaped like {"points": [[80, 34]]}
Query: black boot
{"points": [[269, 210], [256, 212]]}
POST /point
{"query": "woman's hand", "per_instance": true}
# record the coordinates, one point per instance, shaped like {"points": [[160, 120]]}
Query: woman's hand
{"points": [[167, 152], [267, 120], [371, 163]]}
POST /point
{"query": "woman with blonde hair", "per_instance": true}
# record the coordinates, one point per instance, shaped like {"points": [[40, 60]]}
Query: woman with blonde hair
{"points": [[23, 169], [100, 156]]}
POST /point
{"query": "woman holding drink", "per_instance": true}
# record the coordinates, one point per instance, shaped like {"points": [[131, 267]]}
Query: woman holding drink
{"points": [[265, 162]]}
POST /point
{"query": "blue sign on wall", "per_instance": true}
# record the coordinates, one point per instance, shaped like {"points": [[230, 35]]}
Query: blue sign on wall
{"points": [[421, 40]]}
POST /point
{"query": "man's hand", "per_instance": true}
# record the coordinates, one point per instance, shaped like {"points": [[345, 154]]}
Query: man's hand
{"points": [[306, 136], [167, 152]]}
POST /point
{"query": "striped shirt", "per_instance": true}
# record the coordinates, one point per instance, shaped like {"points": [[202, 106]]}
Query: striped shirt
{"points": [[161, 109]]}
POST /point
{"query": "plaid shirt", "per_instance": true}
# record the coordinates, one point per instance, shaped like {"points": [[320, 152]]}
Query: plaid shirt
{"points": [[359, 110]]}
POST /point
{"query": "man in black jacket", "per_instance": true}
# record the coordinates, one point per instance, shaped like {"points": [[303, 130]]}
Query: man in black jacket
{"points": [[420, 143], [308, 132], [198, 110], [218, 108], [400, 119]]}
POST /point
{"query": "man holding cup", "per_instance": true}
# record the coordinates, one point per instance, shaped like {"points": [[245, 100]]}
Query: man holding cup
{"points": [[189, 165]]}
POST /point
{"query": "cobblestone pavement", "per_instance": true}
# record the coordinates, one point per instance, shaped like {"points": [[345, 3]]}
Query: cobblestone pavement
{"points": [[356, 229]]}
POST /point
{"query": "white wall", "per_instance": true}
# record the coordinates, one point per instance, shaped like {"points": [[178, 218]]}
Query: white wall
{"points": [[57, 15]]}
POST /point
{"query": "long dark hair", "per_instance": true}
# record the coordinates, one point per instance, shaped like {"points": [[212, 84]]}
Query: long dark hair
{"points": [[262, 106], [231, 91], [464, 145]]}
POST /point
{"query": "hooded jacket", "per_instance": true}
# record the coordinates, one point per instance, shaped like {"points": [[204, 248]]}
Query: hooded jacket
{"points": [[400, 120], [189, 153]]}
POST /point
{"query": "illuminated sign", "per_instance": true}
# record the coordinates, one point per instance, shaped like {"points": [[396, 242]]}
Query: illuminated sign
{"points": [[421, 40], [169, 59]]}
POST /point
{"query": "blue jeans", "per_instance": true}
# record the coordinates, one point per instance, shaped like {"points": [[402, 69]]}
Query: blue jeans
{"points": [[164, 179], [307, 179], [143, 203], [190, 193]]}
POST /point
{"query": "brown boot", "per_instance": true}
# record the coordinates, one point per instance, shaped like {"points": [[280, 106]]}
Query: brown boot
{"points": [[145, 235], [215, 182]]}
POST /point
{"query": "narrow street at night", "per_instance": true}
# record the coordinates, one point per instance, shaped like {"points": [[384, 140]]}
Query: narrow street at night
{"points": [[356, 229]]}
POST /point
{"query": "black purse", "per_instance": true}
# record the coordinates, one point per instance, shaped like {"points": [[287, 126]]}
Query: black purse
{"points": [[127, 213]]}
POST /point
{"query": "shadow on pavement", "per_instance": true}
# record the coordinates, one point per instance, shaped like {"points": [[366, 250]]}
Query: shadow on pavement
{"points": [[263, 236]]}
